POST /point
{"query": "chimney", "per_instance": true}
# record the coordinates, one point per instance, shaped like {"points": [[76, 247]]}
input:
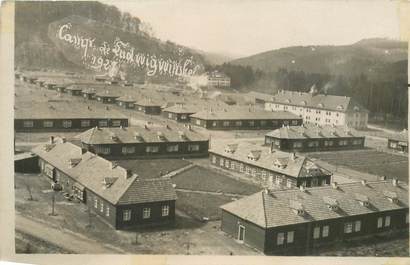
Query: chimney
{"points": [[51, 139], [293, 156]]}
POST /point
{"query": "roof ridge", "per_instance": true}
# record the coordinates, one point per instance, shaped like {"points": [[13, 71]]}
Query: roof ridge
{"points": [[264, 209]]}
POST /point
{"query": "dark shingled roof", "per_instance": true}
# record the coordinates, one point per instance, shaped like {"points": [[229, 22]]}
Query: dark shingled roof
{"points": [[310, 131], [91, 171], [317, 101], [273, 208]]}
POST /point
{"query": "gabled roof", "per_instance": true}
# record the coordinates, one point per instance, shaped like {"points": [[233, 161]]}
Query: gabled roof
{"points": [[137, 134], [181, 108], [289, 164], [93, 172], [311, 131], [107, 94], [147, 102], [273, 209], [244, 113], [126, 99], [317, 101]]}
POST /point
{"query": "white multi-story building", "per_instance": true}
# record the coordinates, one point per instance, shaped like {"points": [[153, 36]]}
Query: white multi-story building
{"points": [[320, 109], [219, 80]]}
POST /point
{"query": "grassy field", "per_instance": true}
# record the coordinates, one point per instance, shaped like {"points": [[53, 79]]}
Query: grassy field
{"points": [[203, 179], [201, 205], [368, 161]]}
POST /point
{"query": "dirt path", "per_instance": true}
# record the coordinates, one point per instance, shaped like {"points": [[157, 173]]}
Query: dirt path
{"points": [[70, 241]]}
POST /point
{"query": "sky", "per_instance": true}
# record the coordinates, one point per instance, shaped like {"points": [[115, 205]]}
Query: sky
{"points": [[245, 27]]}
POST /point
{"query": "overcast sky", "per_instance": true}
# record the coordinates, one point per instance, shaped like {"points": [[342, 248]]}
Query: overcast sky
{"points": [[245, 27]]}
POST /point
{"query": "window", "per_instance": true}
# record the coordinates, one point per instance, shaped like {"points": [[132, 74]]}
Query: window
{"points": [[170, 115], [172, 148], [316, 232], [107, 211], [146, 213], [126, 215], [67, 123], [226, 123], [85, 123], [214, 124], [102, 123], [241, 167], [294, 122], [165, 210], [343, 142], [116, 123], [213, 159], [263, 123], [380, 222], [348, 228], [387, 221], [233, 165], [95, 202], [105, 150], [313, 143], [198, 122], [407, 218], [128, 150], [193, 147], [184, 116], [280, 238], [328, 143], [297, 145], [227, 163], [325, 231], [248, 170], [101, 207], [28, 124], [357, 226], [152, 149], [278, 180], [290, 237], [238, 123], [221, 162], [289, 183], [251, 123], [357, 142], [47, 124]]}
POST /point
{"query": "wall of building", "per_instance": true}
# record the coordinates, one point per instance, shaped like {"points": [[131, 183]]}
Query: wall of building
{"points": [[137, 214], [38, 124], [180, 117], [140, 150], [244, 124], [152, 110], [394, 145], [288, 144], [254, 235]]}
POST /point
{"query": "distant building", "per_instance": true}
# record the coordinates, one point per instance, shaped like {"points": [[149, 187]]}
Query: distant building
{"points": [[219, 80], [89, 93], [145, 142], [179, 112], [243, 118], [399, 142], [126, 102], [320, 109], [120, 196], [106, 97], [295, 222], [310, 138], [73, 90], [148, 106], [259, 98], [64, 116], [268, 168]]}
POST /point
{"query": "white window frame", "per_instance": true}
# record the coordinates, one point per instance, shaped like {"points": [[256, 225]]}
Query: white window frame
{"points": [[165, 210], [103, 123], [387, 221], [48, 124], [116, 123], [128, 150], [280, 238], [193, 147], [146, 213], [28, 124], [152, 149], [213, 159], [357, 226], [173, 148], [107, 211], [316, 232], [85, 123], [325, 231], [379, 222], [67, 123], [290, 237], [348, 228], [126, 215], [95, 202]]}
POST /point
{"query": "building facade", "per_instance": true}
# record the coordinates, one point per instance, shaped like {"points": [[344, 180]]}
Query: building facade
{"points": [[243, 119], [219, 80], [320, 109], [299, 222], [178, 112], [126, 102], [148, 106], [121, 197], [399, 142], [145, 142], [311, 138], [279, 170]]}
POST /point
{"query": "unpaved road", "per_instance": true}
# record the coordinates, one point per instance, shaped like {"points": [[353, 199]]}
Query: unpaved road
{"points": [[66, 240]]}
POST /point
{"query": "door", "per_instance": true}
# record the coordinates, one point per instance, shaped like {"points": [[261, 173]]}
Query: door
{"points": [[241, 233]]}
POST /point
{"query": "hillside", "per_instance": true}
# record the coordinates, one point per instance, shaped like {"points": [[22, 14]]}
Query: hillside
{"points": [[348, 60], [39, 45]]}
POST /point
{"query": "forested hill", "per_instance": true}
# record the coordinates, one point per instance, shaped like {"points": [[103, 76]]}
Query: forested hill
{"points": [[37, 47], [348, 60]]}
